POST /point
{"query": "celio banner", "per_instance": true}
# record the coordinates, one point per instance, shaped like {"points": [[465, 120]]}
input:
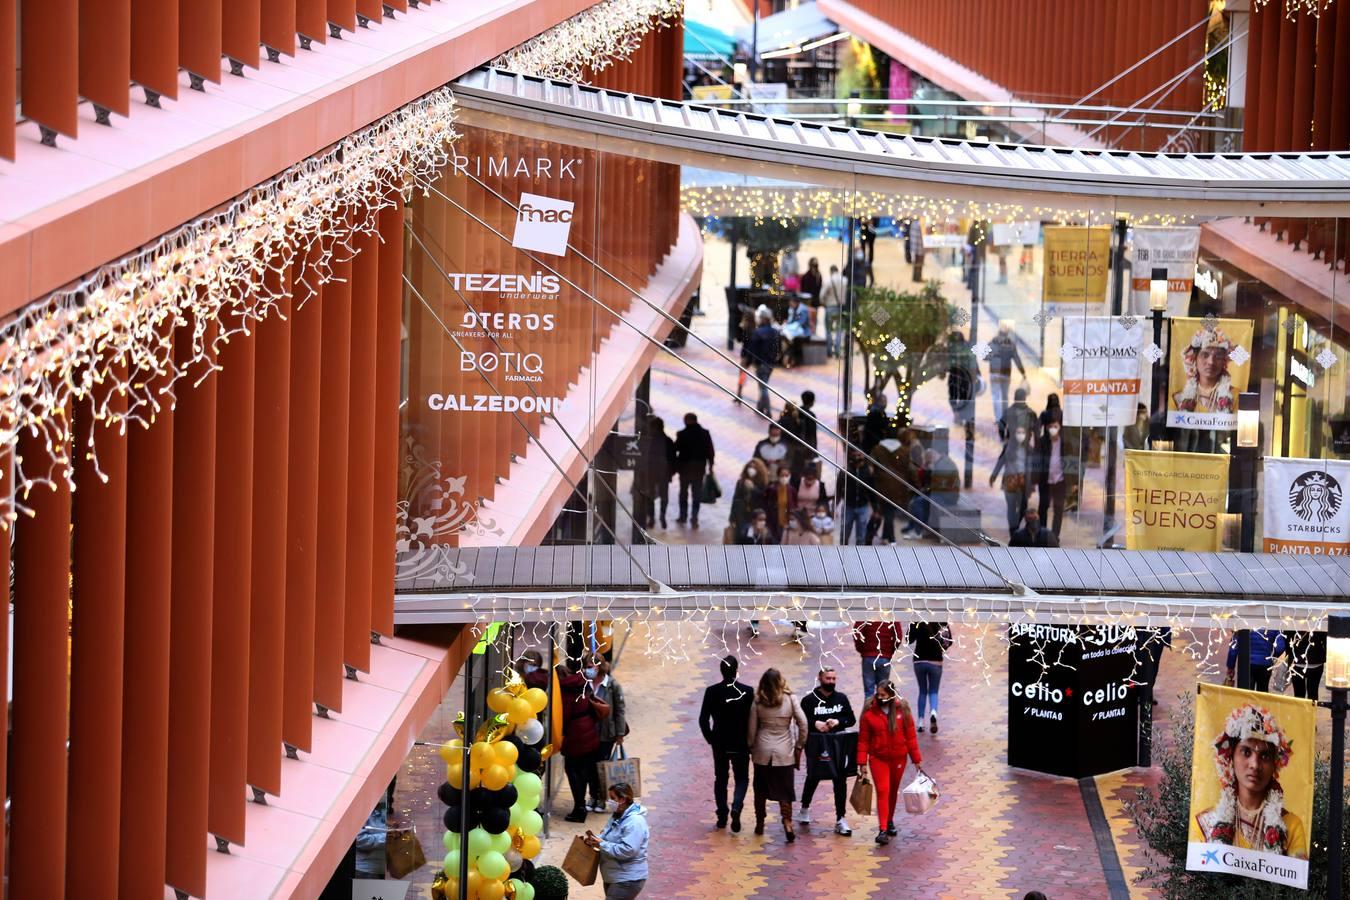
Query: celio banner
{"points": [[1102, 373], [1251, 785], [1175, 501], [1077, 260], [1171, 249], [1210, 365], [1305, 508]]}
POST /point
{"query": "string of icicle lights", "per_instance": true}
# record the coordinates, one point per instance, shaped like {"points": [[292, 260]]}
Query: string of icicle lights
{"points": [[591, 41], [112, 335], [684, 628]]}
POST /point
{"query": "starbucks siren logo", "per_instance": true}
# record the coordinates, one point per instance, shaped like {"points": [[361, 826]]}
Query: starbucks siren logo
{"points": [[1315, 496]]}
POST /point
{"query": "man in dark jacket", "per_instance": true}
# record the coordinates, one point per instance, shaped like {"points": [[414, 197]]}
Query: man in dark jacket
{"points": [[1019, 415], [828, 712], [760, 354], [876, 643], [724, 720], [693, 460], [1031, 534]]}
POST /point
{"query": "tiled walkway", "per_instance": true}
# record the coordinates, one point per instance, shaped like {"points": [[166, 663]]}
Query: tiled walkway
{"points": [[997, 832]]}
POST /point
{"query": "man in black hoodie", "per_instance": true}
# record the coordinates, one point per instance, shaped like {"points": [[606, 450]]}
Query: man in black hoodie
{"points": [[724, 720], [828, 712]]}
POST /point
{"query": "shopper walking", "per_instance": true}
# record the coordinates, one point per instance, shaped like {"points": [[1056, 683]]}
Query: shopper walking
{"points": [[962, 379], [931, 641], [810, 490], [828, 712], [581, 736], [760, 355], [1032, 533], [612, 710], [914, 248], [1018, 415], [747, 497], [1003, 356], [812, 285], [757, 531], [693, 460], [809, 428], [1055, 469], [832, 300], [724, 719], [773, 449], [622, 845], [894, 478], [777, 734], [531, 669], [796, 330], [1307, 659], [1014, 462], [779, 501], [886, 742], [876, 643], [1267, 645], [655, 467], [854, 492]]}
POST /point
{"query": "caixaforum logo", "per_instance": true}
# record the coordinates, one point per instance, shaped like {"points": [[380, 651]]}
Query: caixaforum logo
{"points": [[543, 224]]}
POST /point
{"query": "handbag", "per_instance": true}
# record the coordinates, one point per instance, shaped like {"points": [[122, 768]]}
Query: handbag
{"points": [[711, 489], [920, 794], [832, 755], [581, 862], [1015, 484], [621, 767], [860, 798], [403, 851], [602, 709]]}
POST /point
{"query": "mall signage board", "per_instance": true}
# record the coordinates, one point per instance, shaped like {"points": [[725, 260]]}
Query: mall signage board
{"points": [[1072, 710]]}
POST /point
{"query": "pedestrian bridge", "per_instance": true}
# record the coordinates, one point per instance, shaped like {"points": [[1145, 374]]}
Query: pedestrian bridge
{"points": [[993, 584]]}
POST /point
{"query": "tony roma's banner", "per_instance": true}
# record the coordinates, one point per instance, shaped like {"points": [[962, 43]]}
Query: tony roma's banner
{"points": [[1171, 249], [1209, 365], [1251, 785], [1101, 371], [1305, 508], [1077, 260], [1174, 501]]}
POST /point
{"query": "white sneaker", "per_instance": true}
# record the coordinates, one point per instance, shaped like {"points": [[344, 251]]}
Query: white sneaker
{"points": [[841, 827], [804, 816], [754, 630]]}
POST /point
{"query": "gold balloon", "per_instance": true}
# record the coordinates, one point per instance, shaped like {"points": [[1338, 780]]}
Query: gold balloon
{"points": [[536, 698], [498, 699], [546, 753], [529, 847]]}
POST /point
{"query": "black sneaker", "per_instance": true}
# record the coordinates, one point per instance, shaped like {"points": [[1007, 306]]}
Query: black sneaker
{"points": [[883, 838], [721, 822], [932, 723], [576, 815], [890, 829], [736, 823]]}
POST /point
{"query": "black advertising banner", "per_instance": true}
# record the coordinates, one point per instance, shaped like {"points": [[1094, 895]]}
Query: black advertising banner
{"points": [[1071, 708]]}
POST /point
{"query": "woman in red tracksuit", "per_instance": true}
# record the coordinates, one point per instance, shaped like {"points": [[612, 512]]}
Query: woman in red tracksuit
{"points": [[886, 739]]}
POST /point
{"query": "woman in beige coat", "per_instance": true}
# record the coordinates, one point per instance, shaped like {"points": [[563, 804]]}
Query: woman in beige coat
{"points": [[775, 750]]}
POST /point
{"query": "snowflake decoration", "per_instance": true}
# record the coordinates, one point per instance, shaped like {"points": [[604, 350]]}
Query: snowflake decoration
{"points": [[1240, 355], [1043, 318], [1290, 324], [1211, 322], [1068, 352], [982, 350], [880, 315], [1326, 359], [895, 347], [1154, 353], [1128, 321], [961, 317]]}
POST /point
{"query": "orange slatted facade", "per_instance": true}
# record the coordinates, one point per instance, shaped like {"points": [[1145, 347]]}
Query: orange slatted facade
{"points": [[105, 53], [8, 62]]}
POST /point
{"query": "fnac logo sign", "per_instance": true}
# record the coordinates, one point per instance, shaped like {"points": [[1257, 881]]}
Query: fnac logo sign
{"points": [[543, 224]]}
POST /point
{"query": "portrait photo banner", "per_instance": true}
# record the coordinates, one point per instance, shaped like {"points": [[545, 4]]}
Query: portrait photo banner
{"points": [[1209, 365], [1175, 501], [1171, 248], [1102, 371], [1077, 261], [1251, 785], [1305, 508]]}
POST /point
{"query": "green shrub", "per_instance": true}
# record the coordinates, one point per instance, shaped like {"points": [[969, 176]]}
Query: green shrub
{"points": [[550, 883]]}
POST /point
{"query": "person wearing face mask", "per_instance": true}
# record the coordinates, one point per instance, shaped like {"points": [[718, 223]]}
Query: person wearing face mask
{"points": [[745, 499], [1056, 469], [581, 734], [605, 691], [774, 448], [828, 712], [724, 719], [1014, 463], [779, 502], [1032, 534], [622, 845], [799, 532], [531, 669], [822, 523], [886, 743]]}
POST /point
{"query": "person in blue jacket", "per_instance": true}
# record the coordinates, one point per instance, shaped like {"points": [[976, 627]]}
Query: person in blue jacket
{"points": [[1267, 645], [622, 845]]}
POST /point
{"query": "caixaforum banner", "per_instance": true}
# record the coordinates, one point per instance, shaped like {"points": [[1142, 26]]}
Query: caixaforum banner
{"points": [[1305, 510], [1175, 501], [1210, 364]]}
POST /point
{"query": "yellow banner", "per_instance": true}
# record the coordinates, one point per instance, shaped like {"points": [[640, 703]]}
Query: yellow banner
{"points": [[1210, 364], [1174, 501], [1077, 261], [711, 91], [1251, 785]]}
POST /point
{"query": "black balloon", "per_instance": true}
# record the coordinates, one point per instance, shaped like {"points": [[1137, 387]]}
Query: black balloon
{"points": [[495, 819], [526, 871], [528, 760], [480, 798], [451, 819], [506, 797], [449, 794]]}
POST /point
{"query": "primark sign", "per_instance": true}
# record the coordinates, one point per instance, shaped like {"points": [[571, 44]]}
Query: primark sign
{"points": [[506, 166]]}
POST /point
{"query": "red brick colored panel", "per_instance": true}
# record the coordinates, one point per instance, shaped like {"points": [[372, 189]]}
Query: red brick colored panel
{"points": [[50, 81]]}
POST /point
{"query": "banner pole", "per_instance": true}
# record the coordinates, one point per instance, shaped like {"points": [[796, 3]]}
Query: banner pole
{"points": [[1112, 431]]}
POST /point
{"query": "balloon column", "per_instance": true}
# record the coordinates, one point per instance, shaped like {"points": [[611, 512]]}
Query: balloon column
{"points": [[503, 799]]}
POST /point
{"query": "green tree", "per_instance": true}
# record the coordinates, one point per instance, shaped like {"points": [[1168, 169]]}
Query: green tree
{"points": [[1162, 814], [918, 321], [764, 241]]}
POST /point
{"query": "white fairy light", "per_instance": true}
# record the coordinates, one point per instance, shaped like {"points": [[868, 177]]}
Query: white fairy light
{"points": [[591, 41]]}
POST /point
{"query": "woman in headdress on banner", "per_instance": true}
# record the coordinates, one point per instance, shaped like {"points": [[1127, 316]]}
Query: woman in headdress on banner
{"points": [[1250, 814], [1208, 387]]}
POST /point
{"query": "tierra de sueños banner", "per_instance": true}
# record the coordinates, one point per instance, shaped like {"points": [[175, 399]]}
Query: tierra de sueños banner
{"points": [[1175, 501], [1077, 261]]}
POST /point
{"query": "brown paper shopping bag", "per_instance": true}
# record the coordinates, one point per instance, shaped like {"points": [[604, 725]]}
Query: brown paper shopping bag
{"points": [[581, 862], [861, 797]]}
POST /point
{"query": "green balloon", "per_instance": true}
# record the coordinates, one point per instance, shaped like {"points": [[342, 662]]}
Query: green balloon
{"points": [[452, 864], [451, 840], [516, 812], [480, 842], [531, 823], [501, 843], [525, 891], [492, 866], [528, 784]]}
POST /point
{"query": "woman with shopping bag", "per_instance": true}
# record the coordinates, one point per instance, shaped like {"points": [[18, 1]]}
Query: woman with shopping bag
{"points": [[886, 742]]}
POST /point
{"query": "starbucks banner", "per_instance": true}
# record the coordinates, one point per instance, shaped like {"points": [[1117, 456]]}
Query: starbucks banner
{"points": [[1077, 261], [1101, 371], [1174, 501], [1305, 508], [1171, 249], [1210, 365]]}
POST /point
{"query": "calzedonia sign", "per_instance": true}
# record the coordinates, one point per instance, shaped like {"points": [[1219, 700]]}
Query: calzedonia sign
{"points": [[1071, 707]]}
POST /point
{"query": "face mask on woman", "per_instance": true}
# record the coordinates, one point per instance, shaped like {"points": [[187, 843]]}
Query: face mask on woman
{"points": [[1054, 430], [589, 672], [530, 667]]}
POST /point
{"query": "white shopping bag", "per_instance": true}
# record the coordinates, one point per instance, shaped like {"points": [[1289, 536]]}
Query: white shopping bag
{"points": [[920, 794]]}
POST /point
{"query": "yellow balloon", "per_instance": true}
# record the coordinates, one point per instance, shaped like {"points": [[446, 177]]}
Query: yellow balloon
{"points": [[520, 712], [499, 700], [491, 890], [454, 773], [475, 882], [451, 750], [496, 777], [529, 847], [536, 698], [506, 752], [475, 780]]}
